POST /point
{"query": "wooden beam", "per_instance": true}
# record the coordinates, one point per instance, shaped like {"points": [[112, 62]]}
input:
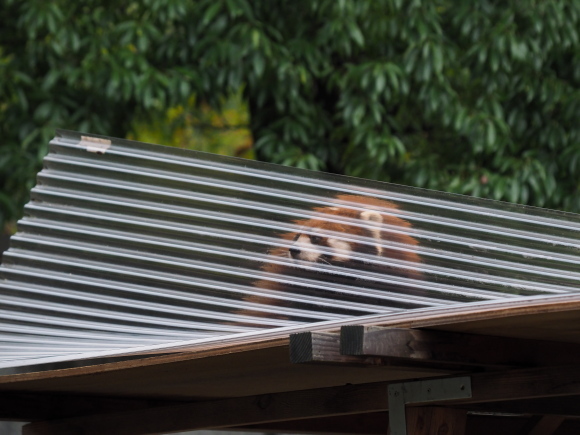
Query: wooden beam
{"points": [[323, 347], [542, 382], [323, 402], [567, 406], [349, 399], [439, 347], [372, 423]]}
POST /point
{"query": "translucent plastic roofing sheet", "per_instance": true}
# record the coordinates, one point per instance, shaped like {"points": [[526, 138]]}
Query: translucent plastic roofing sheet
{"points": [[126, 244]]}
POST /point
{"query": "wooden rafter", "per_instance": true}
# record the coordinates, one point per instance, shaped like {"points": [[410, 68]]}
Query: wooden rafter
{"points": [[491, 387], [455, 348], [350, 399]]}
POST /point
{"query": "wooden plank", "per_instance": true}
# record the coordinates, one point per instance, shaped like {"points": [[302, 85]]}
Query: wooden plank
{"points": [[237, 374], [372, 423], [549, 317], [427, 420], [566, 406], [439, 347], [543, 382], [324, 348], [349, 399], [258, 364]]}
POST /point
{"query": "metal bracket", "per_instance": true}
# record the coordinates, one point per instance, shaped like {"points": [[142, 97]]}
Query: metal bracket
{"points": [[434, 390]]}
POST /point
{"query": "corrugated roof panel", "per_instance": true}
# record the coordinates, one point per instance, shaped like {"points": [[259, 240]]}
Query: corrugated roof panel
{"points": [[128, 244]]}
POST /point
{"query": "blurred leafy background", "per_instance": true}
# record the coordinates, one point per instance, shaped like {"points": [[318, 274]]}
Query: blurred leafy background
{"points": [[480, 98]]}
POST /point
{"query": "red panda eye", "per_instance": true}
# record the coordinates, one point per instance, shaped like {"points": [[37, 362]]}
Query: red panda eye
{"points": [[296, 237], [315, 239]]}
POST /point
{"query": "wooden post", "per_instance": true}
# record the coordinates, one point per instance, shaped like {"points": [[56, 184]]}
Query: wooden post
{"points": [[427, 420]]}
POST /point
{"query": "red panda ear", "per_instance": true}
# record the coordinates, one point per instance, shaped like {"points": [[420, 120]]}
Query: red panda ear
{"points": [[372, 216], [375, 219]]}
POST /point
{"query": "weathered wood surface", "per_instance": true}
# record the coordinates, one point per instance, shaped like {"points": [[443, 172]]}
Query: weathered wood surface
{"points": [[533, 383], [249, 366], [438, 347], [322, 347]]}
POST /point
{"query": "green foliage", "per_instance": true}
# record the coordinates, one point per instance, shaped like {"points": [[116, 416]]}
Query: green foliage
{"points": [[480, 98], [85, 65], [202, 128]]}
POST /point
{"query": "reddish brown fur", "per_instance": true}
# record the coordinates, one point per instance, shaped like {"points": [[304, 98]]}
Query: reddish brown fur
{"points": [[376, 207], [353, 230]]}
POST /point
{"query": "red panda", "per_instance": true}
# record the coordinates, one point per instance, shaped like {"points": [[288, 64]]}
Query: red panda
{"points": [[356, 225], [336, 245]]}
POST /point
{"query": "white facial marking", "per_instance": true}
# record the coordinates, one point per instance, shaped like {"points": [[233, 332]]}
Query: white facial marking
{"points": [[308, 250], [342, 249]]}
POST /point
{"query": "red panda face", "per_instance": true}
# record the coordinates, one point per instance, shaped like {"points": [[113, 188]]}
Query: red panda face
{"points": [[334, 242], [359, 233], [318, 248]]}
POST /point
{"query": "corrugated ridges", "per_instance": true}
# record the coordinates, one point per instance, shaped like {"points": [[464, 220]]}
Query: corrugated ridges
{"points": [[137, 244]]}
